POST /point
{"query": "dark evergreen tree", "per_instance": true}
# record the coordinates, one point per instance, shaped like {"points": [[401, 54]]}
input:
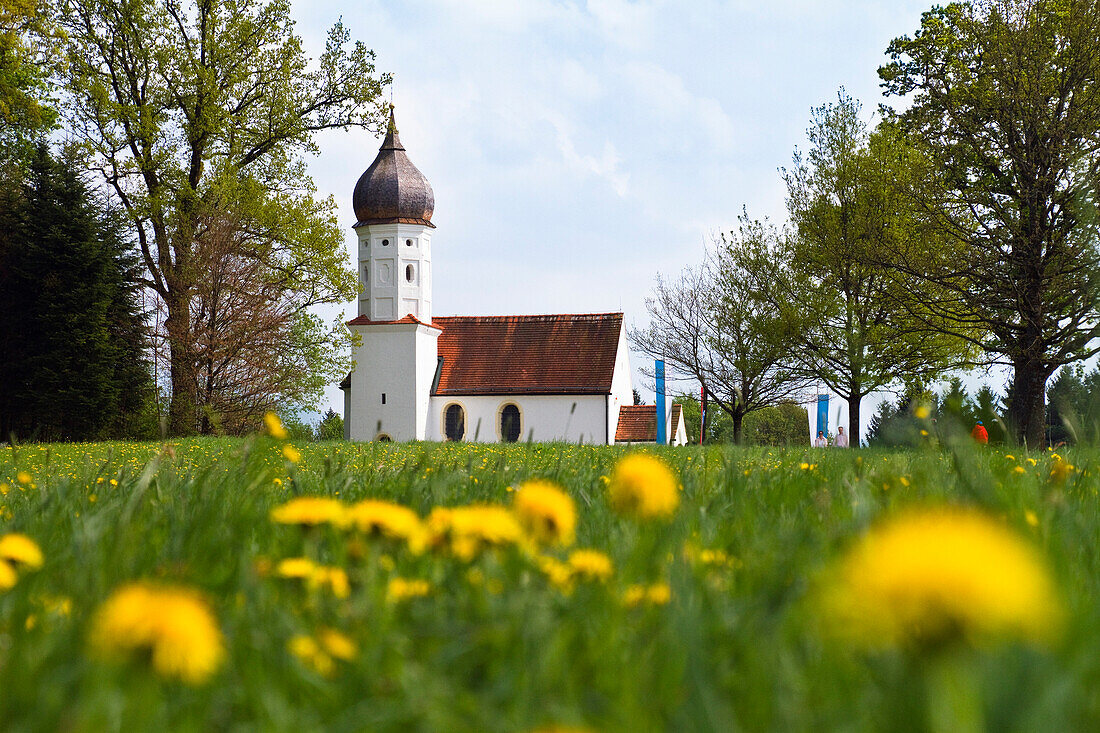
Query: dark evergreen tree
{"points": [[73, 365]]}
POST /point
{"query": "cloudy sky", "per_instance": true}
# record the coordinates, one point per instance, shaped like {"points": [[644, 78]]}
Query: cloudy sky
{"points": [[577, 149]]}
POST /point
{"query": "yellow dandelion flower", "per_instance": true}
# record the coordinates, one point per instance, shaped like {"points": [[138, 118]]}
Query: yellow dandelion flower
{"points": [[296, 567], [402, 589], [939, 575], [546, 512], [468, 530], [7, 576], [1031, 518], [643, 487], [1019, 469], [384, 519], [804, 466], [903, 480], [171, 627], [335, 579], [658, 594], [310, 510], [1009, 457], [559, 574], [1032, 461], [922, 412], [275, 426], [20, 550], [1060, 471], [23, 477], [591, 565], [291, 453], [337, 644], [309, 652]]}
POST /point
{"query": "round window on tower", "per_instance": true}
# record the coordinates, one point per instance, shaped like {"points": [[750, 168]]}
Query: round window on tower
{"points": [[410, 273], [385, 243], [408, 243]]}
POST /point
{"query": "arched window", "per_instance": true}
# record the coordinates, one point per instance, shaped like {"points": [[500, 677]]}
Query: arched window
{"points": [[383, 438], [454, 422], [410, 273], [510, 423]]}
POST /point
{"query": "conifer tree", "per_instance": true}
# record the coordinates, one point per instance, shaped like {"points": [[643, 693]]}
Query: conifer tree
{"points": [[73, 365]]}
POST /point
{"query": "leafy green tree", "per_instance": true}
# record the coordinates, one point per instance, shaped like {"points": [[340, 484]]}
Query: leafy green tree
{"points": [[194, 109], [1001, 98], [73, 331], [849, 320], [785, 424], [711, 331], [26, 41]]}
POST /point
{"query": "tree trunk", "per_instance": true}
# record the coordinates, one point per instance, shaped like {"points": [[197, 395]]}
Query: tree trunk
{"points": [[1027, 403], [738, 417], [853, 419], [182, 416]]}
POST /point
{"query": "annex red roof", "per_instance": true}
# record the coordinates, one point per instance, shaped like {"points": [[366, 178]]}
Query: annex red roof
{"points": [[551, 354], [638, 423]]}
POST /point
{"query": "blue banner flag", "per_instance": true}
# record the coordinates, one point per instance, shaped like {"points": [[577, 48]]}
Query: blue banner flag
{"points": [[659, 372], [823, 414]]}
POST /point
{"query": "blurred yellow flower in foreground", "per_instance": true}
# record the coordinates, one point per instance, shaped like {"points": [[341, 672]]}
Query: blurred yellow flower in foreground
{"points": [[922, 412], [310, 510], [470, 529], [657, 594], [171, 627], [940, 575], [402, 589], [7, 576], [275, 426], [546, 512], [384, 518], [292, 454], [317, 652], [643, 487], [591, 565], [20, 550]]}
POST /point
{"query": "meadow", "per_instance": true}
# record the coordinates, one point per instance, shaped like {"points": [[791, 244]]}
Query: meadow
{"points": [[254, 585]]}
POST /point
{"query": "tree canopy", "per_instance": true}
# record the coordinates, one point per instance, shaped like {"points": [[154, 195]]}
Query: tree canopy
{"points": [[193, 111], [1002, 99]]}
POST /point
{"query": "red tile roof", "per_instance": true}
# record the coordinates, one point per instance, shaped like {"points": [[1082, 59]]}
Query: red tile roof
{"points": [[364, 321], [550, 354], [638, 424]]}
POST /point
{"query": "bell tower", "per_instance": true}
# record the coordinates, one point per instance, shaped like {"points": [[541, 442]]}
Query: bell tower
{"points": [[393, 204], [388, 392]]}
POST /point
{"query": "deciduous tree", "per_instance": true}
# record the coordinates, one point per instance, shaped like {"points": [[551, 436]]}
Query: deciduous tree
{"points": [[191, 108], [1003, 98], [708, 329], [849, 320]]}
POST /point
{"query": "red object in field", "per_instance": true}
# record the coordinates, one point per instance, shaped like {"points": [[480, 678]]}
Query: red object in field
{"points": [[979, 434]]}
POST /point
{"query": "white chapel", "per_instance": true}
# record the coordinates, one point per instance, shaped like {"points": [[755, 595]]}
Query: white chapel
{"points": [[474, 378]]}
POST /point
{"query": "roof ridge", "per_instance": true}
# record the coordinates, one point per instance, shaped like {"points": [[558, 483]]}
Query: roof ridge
{"points": [[608, 314]]}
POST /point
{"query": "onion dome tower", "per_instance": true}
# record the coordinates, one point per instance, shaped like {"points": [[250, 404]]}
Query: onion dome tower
{"points": [[387, 395], [393, 204]]}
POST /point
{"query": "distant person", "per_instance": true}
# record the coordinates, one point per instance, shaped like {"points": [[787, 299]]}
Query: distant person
{"points": [[821, 440], [841, 437], [979, 434]]}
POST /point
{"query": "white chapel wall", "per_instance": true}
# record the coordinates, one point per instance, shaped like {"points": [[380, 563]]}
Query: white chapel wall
{"points": [[543, 417]]}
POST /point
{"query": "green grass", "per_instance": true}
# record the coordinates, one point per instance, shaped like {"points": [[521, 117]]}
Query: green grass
{"points": [[738, 647]]}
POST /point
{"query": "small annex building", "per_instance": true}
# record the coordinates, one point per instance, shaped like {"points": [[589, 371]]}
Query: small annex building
{"points": [[638, 424], [476, 378]]}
